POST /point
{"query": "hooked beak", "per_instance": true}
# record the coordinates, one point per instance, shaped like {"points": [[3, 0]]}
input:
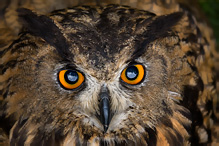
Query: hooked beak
{"points": [[104, 106]]}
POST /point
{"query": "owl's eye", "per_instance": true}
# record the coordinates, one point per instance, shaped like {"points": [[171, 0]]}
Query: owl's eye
{"points": [[70, 79], [133, 74]]}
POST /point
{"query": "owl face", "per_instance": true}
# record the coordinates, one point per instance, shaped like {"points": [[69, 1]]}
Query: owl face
{"points": [[95, 75]]}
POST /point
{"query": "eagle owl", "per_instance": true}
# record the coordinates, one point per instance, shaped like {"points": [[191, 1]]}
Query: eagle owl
{"points": [[108, 75]]}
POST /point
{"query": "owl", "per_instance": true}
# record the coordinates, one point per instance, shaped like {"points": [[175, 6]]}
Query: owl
{"points": [[107, 75]]}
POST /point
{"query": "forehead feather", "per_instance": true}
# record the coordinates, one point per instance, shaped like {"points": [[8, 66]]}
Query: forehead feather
{"points": [[101, 34]]}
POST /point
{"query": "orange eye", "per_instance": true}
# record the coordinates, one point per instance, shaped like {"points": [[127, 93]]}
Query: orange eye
{"points": [[70, 79], [133, 74]]}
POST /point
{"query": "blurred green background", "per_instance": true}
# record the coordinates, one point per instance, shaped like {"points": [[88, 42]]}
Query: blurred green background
{"points": [[211, 10]]}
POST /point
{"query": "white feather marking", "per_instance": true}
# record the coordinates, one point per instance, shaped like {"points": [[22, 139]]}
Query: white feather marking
{"points": [[92, 120], [89, 99], [116, 122], [174, 96]]}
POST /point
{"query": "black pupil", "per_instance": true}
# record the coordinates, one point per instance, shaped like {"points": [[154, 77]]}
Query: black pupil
{"points": [[131, 72], [71, 76]]}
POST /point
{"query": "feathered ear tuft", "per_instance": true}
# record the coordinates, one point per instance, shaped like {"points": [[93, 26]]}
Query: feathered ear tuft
{"points": [[158, 28], [162, 24], [45, 28]]}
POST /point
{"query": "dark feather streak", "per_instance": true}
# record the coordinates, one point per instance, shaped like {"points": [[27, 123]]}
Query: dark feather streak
{"points": [[19, 133]]}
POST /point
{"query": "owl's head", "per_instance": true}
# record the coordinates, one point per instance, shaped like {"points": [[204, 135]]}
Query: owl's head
{"points": [[97, 75]]}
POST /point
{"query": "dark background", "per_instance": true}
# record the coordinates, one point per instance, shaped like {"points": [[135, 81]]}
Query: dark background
{"points": [[211, 10]]}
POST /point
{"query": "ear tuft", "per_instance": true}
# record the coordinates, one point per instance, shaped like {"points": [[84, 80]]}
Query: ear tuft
{"points": [[45, 28], [158, 28], [163, 24]]}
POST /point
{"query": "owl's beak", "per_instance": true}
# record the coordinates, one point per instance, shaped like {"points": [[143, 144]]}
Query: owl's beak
{"points": [[104, 107]]}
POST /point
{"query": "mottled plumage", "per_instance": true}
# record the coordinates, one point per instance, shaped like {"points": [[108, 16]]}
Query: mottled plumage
{"points": [[172, 105]]}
